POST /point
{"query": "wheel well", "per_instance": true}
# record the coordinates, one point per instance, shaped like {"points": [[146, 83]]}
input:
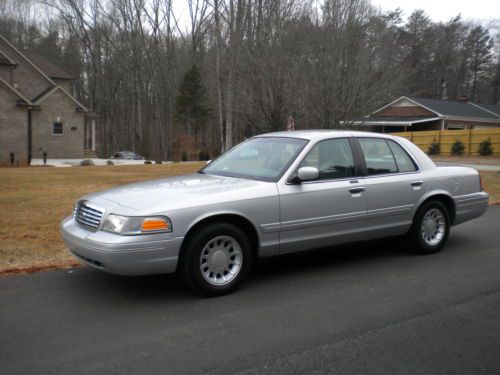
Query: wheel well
{"points": [[447, 201], [244, 224]]}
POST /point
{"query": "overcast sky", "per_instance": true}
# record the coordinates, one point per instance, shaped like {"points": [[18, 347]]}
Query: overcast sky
{"points": [[437, 10], [443, 10]]}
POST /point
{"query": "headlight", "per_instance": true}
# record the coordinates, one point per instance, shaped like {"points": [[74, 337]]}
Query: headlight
{"points": [[130, 225]]}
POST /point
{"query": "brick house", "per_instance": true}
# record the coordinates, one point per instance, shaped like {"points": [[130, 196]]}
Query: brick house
{"points": [[410, 113], [37, 112]]}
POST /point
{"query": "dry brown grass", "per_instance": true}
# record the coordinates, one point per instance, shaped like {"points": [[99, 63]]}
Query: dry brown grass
{"points": [[491, 183], [33, 201], [482, 160]]}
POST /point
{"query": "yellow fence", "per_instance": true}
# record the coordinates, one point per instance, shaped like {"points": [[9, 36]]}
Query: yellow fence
{"points": [[470, 138]]}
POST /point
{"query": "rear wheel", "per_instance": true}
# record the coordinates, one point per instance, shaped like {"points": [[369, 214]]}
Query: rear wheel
{"points": [[216, 259], [431, 228]]}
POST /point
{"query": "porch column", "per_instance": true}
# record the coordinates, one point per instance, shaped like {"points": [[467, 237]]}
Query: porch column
{"points": [[93, 135]]}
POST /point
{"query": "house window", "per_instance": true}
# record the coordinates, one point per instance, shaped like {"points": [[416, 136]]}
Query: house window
{"points": [[455, 127], [58, 128]]}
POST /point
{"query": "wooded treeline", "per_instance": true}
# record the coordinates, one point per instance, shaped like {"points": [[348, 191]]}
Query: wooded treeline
{"points": [[165, 84]]}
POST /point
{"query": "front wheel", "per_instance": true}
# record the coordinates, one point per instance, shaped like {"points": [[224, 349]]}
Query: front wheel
{"points": [[216, 259], [430, 229]]}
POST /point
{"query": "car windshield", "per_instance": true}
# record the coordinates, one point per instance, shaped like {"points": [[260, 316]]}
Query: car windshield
{"points": [[261, 158]]}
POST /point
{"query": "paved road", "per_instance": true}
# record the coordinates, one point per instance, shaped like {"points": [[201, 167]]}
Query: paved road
{"points": [[365, 309]]}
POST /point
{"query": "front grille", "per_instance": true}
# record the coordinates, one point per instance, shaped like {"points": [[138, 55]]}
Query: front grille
{"points": [[88, 216]]}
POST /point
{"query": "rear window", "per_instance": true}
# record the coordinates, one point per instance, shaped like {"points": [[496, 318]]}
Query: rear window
{"points": [[403, 160], [378, 156]]}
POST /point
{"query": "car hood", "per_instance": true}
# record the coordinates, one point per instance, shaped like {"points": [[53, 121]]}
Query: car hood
{"points": [[180, 192]]}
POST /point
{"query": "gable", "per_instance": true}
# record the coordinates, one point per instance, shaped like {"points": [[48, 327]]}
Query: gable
{"points": [[14, 92], [61, 92], [58, 100], [9, 109], [28, 78], [403, 107]]}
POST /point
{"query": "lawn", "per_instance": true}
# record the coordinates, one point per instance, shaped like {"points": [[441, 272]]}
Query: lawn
{"points": [[35, 200]]}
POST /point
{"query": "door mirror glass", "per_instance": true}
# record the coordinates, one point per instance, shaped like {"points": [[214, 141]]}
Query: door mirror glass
{"points": [[308, 173]]}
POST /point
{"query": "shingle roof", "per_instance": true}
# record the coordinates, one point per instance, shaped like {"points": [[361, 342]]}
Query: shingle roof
{"points": [[5, 60], [491, 107], [46, 66], [453, 108]]}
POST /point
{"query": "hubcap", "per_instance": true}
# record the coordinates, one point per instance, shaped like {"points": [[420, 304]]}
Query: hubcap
{"points": [[220, 260], [433, 227]]}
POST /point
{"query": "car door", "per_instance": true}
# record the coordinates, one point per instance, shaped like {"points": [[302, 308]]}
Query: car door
{"points": [[393, 186], [328, 210]]}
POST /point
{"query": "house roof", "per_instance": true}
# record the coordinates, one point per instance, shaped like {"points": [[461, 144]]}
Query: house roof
{"points": [[15, 91], [5, 60], [453, 108], [28, 61], [490, 107], [394, 120], [46, 66]]}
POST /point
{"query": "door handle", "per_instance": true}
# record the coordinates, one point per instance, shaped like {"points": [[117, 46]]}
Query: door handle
{"points": [[356, 190], [417, 183]]}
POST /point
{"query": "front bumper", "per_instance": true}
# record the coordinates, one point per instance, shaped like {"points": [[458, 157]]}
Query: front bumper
{"points": [[122, 255]]}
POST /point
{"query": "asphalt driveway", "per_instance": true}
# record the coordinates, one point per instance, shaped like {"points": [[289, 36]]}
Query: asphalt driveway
{"points": [[370, 308]]}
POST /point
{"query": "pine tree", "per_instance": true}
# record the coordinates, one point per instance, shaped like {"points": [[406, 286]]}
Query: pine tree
{"points": [[191, 111]]}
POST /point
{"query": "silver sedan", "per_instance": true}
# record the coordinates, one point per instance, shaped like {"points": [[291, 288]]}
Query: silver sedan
{"points": [[273, 194]]}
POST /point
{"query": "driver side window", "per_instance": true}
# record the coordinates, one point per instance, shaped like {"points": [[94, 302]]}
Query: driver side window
{"points": [[332, 157]]}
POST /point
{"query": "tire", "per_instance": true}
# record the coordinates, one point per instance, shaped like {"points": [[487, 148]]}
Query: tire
{"points": [[430, 228], [216, 259]]}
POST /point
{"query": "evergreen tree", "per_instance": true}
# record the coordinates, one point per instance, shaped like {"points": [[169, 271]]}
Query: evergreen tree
{"points": [[191, 111]]}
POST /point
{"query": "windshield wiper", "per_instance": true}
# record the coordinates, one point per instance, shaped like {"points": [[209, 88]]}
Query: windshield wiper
{"points": [[201, 172]]}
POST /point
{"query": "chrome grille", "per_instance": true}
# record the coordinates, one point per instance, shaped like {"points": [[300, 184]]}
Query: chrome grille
{"points": [[88, 216]]}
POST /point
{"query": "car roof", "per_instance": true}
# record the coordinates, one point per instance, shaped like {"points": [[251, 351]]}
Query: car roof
{"points": [[323, 134]]}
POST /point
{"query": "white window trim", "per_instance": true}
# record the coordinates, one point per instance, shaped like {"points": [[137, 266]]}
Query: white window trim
{"points": [[62, 128]]}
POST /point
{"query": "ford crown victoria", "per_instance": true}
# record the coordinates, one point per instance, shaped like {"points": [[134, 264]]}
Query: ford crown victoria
{"points": [[273, 194]]}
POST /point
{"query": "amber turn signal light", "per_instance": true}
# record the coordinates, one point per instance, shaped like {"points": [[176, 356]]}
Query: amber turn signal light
{"points": [[155, 224]]}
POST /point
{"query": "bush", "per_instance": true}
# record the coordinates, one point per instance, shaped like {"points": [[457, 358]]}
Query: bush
{"points": [[204, 155], [86, 162], [148, 162], [458, 148], [485, 147], [44, 155], [184, 156], [158, 162], [434, 148], [109, 162]]}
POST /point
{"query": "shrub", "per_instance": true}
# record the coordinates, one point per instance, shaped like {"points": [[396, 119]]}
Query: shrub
{"points": [[148, 162], [184, 156], [485, 147], [457, 148], [204, 155], [158, 162], [110, 162], [44, 155], [434, 148], [86, 162]]}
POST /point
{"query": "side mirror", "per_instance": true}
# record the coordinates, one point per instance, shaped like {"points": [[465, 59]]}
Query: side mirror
{"points": [[307, 174]]}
